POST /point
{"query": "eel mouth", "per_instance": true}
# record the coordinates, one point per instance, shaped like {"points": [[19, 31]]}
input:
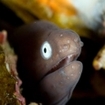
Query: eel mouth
{"points": [[65, 61]]}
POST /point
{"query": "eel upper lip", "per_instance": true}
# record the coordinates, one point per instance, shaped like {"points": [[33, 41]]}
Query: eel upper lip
{"points": [[65, 61]]}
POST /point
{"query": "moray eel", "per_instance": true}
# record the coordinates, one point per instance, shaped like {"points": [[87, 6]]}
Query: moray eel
{"points": [[48, 55]]}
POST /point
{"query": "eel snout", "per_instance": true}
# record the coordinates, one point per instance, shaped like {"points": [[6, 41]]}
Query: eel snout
{"points": [[68, 44], [59, 82]]}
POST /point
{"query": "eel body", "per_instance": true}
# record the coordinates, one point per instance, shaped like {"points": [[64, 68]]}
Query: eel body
{"points": [[48, 55]]}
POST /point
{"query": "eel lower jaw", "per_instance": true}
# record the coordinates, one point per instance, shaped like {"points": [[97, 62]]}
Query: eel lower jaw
{"points": [[65, 61]]}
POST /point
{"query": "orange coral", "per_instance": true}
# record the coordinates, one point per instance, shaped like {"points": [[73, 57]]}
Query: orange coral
{"points": [[59, 6]]}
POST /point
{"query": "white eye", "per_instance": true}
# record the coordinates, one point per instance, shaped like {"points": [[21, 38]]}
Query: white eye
{"points": [[46, 50]]}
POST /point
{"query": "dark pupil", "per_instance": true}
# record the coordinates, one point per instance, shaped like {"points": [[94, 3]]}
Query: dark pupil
{"points": [[45, 50]]}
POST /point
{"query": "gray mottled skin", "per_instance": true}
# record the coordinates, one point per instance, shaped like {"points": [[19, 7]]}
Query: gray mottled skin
{"points": [[57, 76]]}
